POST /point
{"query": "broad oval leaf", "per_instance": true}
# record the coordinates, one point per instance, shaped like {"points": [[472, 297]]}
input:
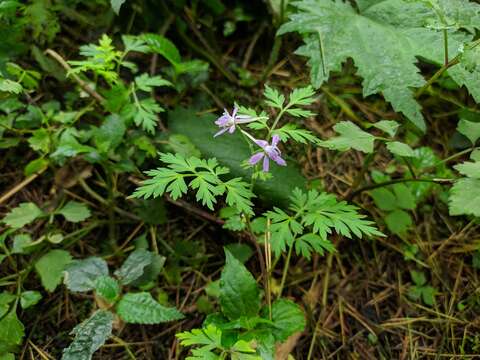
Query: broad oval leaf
{"points": [[239, 293], [80, 275], [141, 308], [90, 335], [134, 266]]}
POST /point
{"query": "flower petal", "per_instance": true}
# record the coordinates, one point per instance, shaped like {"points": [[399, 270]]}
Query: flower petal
{"points": [[261, 143], [231, 129], [220, 132], [256, 158], [279, 160], [266, 164], [275, 140], [222, 120], [243, 119]]}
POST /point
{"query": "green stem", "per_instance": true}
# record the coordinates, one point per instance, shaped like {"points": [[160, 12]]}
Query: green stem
{"points": [[444, 68], [445, 45], [397, 181], [285, 270], [277, 44]]}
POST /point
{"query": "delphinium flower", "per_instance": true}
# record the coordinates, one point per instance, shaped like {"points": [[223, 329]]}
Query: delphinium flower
{"points": [[228, 122], [269, 152]]}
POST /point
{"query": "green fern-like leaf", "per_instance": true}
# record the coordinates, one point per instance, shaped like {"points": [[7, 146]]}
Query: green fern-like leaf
{"points": [[204, 176], [314, 216]]}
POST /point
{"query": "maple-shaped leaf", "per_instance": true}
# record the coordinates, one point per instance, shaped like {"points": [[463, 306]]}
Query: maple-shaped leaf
{"points": [[385, 38]]}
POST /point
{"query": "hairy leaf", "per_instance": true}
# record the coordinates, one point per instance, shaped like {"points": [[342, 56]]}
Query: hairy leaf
{"points": [[90, 335], [80, 275], [134, 266], [107, 287], [141, 308]]}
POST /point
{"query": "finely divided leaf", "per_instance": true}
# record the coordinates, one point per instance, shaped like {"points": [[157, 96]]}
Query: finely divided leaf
{"points": [[273, 97], [291, 131], [202, 176]]}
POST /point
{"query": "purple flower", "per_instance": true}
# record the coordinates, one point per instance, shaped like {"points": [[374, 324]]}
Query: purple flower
{"points": [[227, 122], [270, 151]]}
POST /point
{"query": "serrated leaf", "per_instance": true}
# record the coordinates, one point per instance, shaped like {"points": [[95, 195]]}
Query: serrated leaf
{"points": [[350, 137], [107, 288], [116, 5], [405, 199], [6, 299], [239, 293], [302, 96], [469, 169], [273, 97], [22, 215], [399, 222], [388, 126], [22, 244], [50, 268], [334, 31], [80, 275], [290, 131], [134, 43], [134, 266], [464, 197], [12, 331], [308, 243], [10, 86], [210, 337], [162, 46], [418, 277], [74, 211], [146, 83], [110, 134], [29, 298], [470, 129], [90, 335], [141, 308], [400, 149], [287, 318], [384, 199]]}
